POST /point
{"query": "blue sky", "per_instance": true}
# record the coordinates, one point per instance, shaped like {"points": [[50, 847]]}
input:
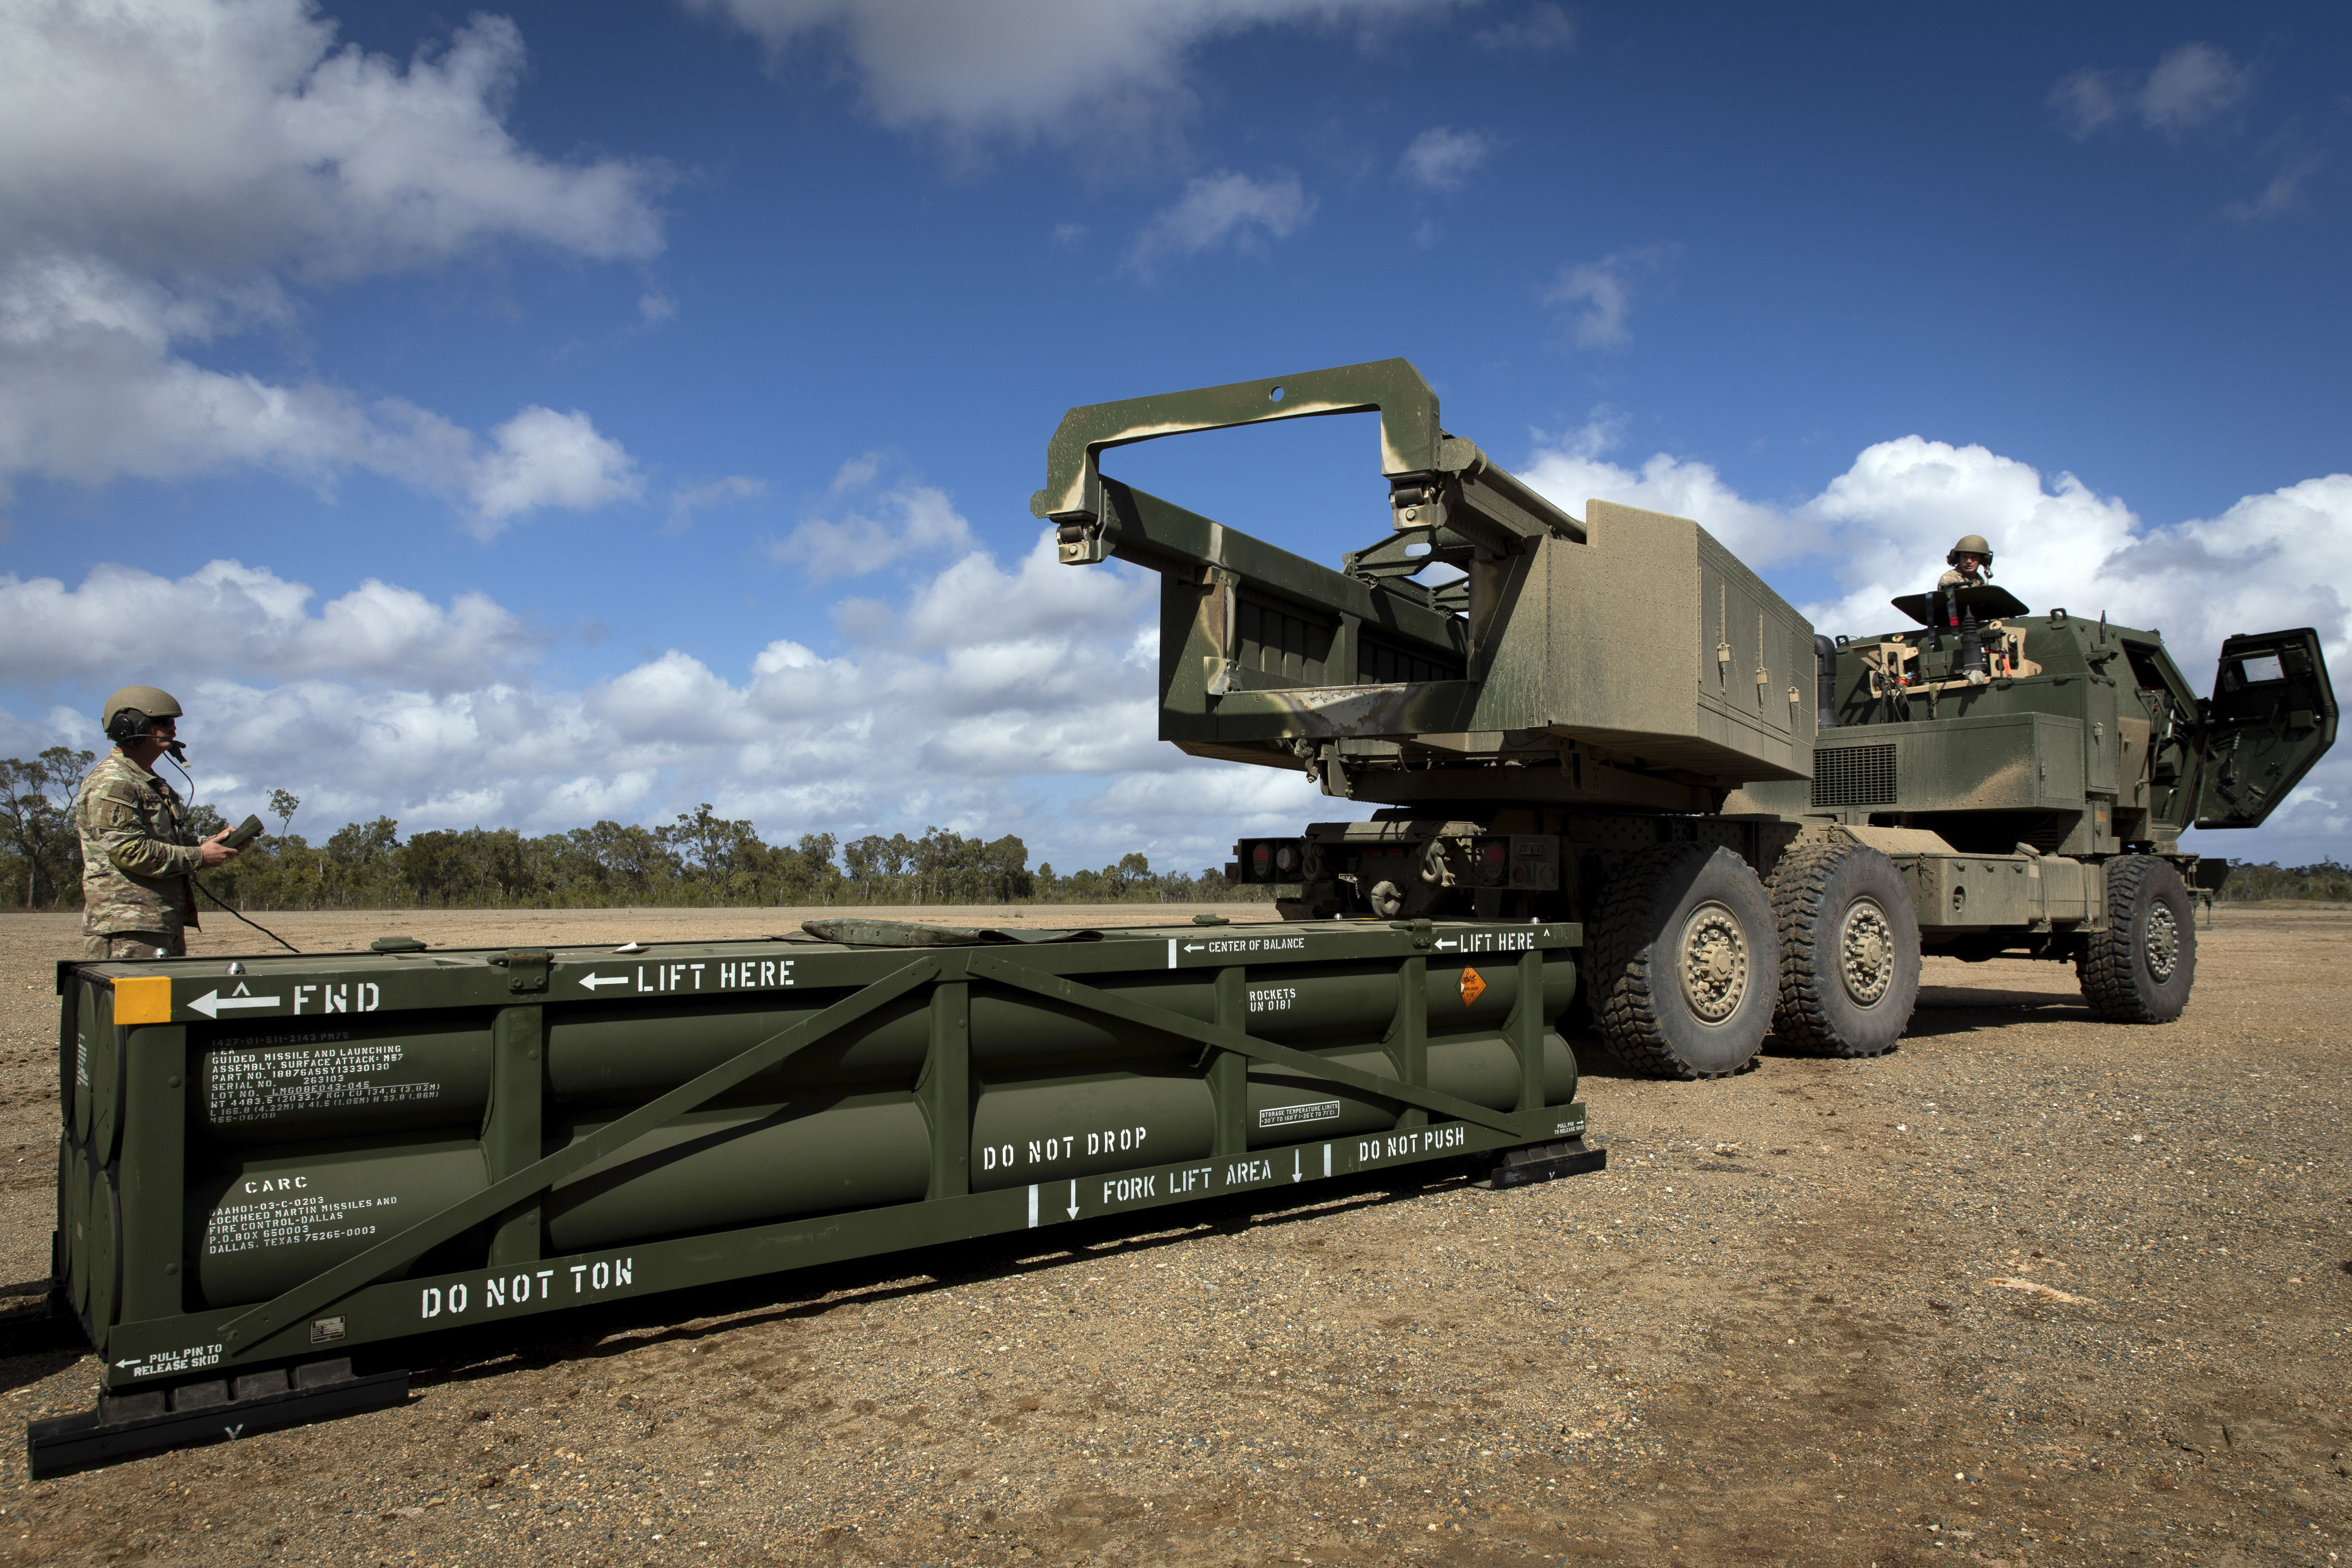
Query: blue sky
{"points": [[505, 419]]}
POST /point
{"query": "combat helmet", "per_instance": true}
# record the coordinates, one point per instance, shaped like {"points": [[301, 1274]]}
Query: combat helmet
{"points": [[130, 711], [1969, 544]]}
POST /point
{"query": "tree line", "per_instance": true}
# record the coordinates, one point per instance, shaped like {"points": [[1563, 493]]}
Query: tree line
{"points": [[2267, 880], [700, 860]]}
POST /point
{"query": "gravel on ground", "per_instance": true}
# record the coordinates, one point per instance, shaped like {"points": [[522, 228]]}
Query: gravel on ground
{"points": [[2034, 1288]]}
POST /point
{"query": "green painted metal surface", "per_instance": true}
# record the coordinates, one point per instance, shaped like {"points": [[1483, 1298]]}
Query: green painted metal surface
{"points": [[2080, 737], [315, 1154]]}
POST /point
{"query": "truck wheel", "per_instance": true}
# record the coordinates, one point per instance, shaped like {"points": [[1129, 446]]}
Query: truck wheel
{"points": [[1849, 950], [2139, 970], [1684, 961]]}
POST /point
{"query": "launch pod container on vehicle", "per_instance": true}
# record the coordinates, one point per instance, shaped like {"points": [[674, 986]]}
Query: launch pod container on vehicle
{"points": [[270, 1163]]}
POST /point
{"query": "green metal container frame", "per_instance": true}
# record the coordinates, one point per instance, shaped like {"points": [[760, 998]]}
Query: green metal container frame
{"points": [[128, 1103]]}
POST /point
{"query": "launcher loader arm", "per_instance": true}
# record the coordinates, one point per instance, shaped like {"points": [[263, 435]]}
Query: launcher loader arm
{"points": [[1438, 482]]}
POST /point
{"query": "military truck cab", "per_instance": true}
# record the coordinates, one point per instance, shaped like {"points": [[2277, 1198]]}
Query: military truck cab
{"points": [[2076, 737], [2029, 777]]}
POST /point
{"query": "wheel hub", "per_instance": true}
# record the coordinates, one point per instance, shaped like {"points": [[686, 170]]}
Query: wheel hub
{"points": [[1713, 964], [2163, 941], [1866, 951]]}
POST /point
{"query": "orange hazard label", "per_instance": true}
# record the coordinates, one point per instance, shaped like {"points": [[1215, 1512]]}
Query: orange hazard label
{"points": [[1474, 985]]}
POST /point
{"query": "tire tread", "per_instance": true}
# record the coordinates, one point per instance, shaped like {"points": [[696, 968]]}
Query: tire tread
{"points": [[1799, 884], [1624, 966], [2108, 964]]}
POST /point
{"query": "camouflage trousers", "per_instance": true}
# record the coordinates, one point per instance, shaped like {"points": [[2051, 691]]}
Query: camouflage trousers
{"points": [[136, 944]]}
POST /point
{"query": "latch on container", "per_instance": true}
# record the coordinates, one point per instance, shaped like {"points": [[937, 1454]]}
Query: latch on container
{"points": [[527, 966]]}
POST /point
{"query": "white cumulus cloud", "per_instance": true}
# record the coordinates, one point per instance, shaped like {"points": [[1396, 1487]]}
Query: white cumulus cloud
{"points": [[2192, 86], [174, 172], [1600, 294], [1440, 158], [225, 136], [2284, 192], [1218, 806], [1223, 210], [998, 689], [1539, 29], [541, 457], [1028, 68], [875, 528], [1573, 469], [228, 618], [692, 499]]}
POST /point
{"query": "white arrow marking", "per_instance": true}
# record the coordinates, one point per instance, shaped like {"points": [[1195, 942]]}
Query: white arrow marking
{"points": [[1195, 947], [1445, 943], [593, 980], [1293, 1166], [212, 1004], [132, 1362], [1074, 1200]]}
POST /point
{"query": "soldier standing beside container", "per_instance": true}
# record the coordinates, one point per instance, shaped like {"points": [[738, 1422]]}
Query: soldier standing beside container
{"points": [[137, 854], [1970, 562]]}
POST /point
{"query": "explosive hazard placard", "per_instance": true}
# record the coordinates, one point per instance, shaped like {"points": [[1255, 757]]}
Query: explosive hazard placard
{"points": [[1474, 985]]}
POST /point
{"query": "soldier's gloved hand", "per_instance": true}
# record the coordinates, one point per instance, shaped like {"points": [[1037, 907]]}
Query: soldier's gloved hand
{"points": [[217, 853]]}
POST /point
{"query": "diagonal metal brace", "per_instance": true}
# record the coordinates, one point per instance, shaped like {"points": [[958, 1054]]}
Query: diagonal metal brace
{"points": [[321, 1289], [1442, 1104]]}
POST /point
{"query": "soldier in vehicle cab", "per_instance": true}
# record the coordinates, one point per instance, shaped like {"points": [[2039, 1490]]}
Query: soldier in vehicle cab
{"points": [[1970, 562]]}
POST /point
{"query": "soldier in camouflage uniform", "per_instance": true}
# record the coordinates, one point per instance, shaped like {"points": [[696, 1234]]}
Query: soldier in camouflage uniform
{"points": [[1970, 562], [137, 852]]}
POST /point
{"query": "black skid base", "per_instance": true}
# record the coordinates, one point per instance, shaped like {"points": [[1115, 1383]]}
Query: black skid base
{"points": [[199, 1412], [1541, 1162]]}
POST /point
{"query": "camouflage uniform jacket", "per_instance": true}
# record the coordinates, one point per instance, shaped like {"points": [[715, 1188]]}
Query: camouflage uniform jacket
{"points": [[1956, 576], [136, 852]]}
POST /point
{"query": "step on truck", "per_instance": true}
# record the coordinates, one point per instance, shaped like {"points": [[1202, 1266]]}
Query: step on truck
{"points": [[1610, 721]]}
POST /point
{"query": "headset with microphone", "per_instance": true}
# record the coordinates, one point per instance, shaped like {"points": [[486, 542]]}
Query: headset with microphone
{"points": [[129, 724]]}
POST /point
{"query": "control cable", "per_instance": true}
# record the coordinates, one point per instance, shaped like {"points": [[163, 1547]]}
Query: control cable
{"points": [[176, 755], [257, 925]]}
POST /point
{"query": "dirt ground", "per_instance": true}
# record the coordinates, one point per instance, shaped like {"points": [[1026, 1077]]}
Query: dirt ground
{"points": [[2033, 1289]]}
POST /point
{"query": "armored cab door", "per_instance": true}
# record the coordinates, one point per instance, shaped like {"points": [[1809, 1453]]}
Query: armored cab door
{"points": [[2271, 715]]}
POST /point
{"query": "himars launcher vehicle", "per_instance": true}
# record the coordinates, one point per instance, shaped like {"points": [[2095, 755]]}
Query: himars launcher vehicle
{"points": [[1611, 720]]}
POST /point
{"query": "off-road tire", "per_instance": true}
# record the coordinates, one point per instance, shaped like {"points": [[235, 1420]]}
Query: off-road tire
{"points": [[1849, 950], [2139, 970], [1674, 909]]}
